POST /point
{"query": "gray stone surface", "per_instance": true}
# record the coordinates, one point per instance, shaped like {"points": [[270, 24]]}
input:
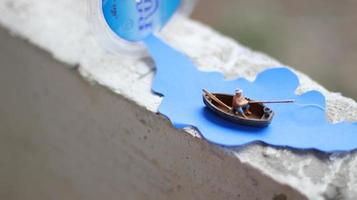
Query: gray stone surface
{"points": [[61, 28], [63, 138]]}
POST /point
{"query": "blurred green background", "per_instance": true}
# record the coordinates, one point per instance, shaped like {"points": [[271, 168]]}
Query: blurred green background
{"points": [[317, 37]]}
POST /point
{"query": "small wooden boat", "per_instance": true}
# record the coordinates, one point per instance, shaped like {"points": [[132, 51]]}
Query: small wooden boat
{"points": [[221, 104]]}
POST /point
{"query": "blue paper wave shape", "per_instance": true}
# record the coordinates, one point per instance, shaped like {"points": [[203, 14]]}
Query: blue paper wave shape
{"points": [[302, 125]]}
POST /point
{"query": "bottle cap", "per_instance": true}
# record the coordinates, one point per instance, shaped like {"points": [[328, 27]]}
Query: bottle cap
{"points": [[121, 25]]}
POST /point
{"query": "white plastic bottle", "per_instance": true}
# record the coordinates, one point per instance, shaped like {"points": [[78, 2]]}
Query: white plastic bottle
{"points": [[121, 25]]}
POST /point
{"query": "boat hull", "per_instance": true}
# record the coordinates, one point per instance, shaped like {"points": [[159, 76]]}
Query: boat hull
{"points": [[262, 116]]}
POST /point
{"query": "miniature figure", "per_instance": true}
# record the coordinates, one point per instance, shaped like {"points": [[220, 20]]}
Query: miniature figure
{"points": [[239, 109], [240, 104]]}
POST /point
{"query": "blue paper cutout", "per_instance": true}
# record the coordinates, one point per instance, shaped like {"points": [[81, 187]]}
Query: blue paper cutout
{"points": [[302, 125]]}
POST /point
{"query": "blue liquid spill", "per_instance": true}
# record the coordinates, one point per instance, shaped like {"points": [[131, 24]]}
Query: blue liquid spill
{"points": [[302, 125]]}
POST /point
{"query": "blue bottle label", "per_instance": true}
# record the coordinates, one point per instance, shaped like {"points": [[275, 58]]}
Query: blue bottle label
{"points": [[134, 20]]}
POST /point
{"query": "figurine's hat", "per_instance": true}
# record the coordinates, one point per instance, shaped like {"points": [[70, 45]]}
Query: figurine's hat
{"points": [[239, 91]]}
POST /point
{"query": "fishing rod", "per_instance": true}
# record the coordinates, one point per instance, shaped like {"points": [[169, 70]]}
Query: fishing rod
{"points": [[268, 102]]}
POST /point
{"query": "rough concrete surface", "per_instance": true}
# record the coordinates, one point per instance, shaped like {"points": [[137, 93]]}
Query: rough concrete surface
{"points": [[61, 28], [63, 138]]}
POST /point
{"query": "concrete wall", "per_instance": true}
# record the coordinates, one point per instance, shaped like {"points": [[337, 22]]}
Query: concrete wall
{"points": [[63, 138]]}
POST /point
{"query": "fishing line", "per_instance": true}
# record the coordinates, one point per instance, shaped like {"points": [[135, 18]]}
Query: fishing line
{"points": [[310, 105]]}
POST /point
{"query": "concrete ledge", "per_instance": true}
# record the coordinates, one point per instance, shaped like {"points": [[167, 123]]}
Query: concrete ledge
{"points": [[62, 138], [71, 122]]}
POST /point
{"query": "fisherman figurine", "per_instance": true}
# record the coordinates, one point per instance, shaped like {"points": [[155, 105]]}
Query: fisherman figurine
{"points": [[246, 111], [240, 104]]}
